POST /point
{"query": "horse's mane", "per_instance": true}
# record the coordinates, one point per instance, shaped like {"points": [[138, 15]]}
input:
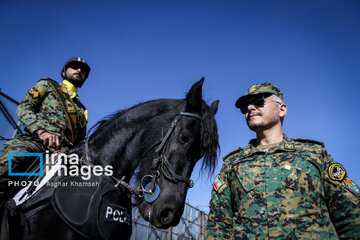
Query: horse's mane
{"points": [[116, 116], [209, 139], [208, 128]]}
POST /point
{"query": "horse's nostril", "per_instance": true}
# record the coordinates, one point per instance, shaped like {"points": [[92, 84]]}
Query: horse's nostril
{"points": [[166, 215]]}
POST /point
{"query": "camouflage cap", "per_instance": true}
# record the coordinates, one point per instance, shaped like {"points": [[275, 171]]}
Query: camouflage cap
{"points": [[264, 88]]}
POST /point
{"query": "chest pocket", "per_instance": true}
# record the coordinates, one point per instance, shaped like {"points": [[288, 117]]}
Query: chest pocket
{"points": [[272, 172], [250, 173], [292, 170]]}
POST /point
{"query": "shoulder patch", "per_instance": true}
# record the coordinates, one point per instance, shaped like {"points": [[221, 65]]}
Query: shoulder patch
{"points": [[34, 94], [218, 183], [336, 172], [232, 152], [310, 141], [352, 186]]}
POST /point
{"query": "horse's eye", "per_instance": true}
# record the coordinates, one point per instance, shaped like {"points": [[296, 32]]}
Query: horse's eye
{"points": [[185, 138]]}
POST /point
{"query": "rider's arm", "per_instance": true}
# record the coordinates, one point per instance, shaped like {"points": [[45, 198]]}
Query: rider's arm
{"points": [[29, 107]]}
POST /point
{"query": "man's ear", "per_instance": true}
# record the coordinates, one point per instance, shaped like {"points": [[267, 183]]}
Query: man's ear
{"points": [[63, 74], [283, 110]]}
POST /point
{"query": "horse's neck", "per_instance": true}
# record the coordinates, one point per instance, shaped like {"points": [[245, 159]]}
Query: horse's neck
{"points": [[123, 144]]}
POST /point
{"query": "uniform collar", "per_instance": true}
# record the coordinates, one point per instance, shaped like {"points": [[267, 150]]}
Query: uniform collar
{"points": [[70, 88], [286, 145]]}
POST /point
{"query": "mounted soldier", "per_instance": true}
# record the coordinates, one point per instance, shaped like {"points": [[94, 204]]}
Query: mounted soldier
{"points": [[53, 117]]}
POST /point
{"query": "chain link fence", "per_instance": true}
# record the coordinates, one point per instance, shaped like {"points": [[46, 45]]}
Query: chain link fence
{"points": [[192, 226]]}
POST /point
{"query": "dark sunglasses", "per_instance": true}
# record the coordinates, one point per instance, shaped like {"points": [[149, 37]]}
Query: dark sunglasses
{"points": [[77, 66], [257, 102]]}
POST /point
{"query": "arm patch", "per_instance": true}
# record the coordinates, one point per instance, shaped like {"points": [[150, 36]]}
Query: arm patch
{"points": [[352, 186], [336, 172], [218, 183], [34, 94]]}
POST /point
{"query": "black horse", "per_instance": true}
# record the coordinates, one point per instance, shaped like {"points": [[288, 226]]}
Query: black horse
{"points": [[161, 141]]}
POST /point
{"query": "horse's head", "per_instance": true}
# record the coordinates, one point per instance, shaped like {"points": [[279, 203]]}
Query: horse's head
{"points": [[166, 179]]}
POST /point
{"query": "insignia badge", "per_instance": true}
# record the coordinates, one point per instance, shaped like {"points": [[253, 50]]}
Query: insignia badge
{"points": [[247, 152], [289, 146], [252, 88], [218, 182], [34, 94], [352, 186], [337, 172], [70, 107]]}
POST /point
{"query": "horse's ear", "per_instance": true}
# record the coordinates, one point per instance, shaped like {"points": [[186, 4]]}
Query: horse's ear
{"points": [[194, 97], [214, 106]]}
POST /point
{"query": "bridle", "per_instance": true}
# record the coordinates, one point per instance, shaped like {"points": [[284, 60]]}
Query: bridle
{"points": [[152, 190]]}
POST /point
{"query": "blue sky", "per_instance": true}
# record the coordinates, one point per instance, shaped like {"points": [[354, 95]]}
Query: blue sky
{"points": [[143, 50]]}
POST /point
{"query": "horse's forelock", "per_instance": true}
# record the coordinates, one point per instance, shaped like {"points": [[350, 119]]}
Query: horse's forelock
{"points": [[209, 139]]}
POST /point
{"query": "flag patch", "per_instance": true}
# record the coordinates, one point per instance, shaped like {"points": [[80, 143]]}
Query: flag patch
{"points": [[218, 182], [352, 186]]}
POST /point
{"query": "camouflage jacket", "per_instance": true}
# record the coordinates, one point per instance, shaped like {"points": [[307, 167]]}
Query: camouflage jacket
{"points": [[292, 191], [43, 108]]}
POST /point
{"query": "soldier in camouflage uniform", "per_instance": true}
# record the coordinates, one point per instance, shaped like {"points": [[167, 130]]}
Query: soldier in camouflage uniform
{"points": [[281, 188], [52, 115]]}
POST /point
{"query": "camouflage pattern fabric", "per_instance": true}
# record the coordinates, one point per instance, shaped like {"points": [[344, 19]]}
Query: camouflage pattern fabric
{"points": [[292, 191], [264, 88], [43, 109]]}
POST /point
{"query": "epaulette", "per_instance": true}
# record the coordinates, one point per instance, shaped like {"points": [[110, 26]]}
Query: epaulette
{"points": [[310, 141], [232, 152]]}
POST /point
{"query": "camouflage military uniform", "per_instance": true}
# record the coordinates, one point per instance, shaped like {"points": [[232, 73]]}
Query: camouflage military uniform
{"points": [[42, 108], [291, 191]]}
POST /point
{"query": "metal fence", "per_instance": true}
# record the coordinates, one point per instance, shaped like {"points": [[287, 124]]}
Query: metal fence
{"points": [[191, 226]]}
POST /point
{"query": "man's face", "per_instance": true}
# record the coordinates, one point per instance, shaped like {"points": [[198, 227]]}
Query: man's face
{"points": [[75, 74], [263, 117]]}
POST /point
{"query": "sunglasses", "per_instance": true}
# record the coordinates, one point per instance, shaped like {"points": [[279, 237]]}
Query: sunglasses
{"points": [[77, 66], [257, 102]]}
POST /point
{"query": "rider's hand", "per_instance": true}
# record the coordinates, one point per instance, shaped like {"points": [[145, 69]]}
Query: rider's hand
{"points": [[49, 139]]}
